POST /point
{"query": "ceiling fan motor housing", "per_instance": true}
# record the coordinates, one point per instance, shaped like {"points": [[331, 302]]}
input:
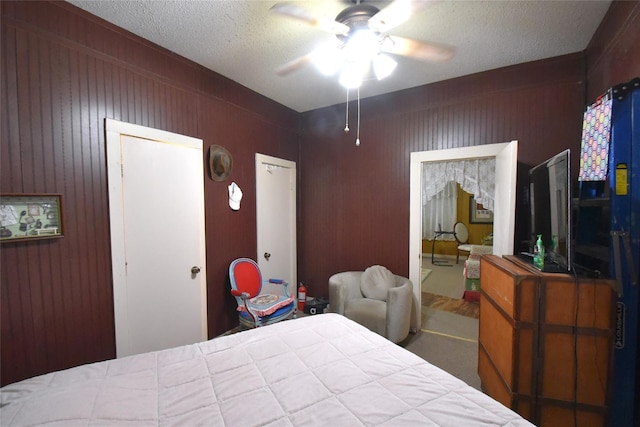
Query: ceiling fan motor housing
{"points": [[356, 17]]}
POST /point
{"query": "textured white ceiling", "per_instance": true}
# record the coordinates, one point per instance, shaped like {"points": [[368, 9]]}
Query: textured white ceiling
{"points": [[243, 41]]}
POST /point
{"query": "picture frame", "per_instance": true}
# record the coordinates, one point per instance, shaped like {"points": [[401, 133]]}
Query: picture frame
{"points": [[30, 217], [478, 214]]}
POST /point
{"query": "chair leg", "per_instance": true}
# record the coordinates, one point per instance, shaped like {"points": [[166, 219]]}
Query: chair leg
{"points": [[458, 257]]}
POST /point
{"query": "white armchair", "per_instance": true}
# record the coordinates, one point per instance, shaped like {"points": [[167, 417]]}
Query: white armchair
{"points": [[374, 298]]}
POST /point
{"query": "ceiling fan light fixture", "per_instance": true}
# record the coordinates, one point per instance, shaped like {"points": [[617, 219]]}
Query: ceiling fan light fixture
{"points": [[363, 45], [361, 30], [383, 66], [352, 74], [327, 60]]}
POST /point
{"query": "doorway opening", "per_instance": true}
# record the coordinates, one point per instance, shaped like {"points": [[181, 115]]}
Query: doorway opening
{"points": [[504, 204]]}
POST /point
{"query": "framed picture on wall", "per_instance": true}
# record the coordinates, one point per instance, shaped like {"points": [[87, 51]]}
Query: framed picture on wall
{"points": [[30, 217], [478, 214]]}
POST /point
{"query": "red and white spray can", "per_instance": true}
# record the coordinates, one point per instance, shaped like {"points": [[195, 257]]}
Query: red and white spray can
{"points": [[302, 296]]}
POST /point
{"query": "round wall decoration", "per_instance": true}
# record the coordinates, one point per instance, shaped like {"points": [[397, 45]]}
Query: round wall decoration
{"points": [[220, 163]]}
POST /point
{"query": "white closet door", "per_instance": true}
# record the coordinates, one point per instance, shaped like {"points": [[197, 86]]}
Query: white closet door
{"points": [[158, 238], [276, 219]]}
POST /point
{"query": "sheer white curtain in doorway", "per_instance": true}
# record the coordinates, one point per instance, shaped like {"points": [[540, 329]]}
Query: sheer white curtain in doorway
{"points": [[475, 176], [439, 212]]}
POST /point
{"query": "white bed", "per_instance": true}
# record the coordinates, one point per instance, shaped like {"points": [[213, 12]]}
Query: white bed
{"points": [[322, 370]]}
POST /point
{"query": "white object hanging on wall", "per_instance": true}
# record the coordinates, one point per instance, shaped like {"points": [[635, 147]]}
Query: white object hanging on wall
{"points": [[235, 196]]}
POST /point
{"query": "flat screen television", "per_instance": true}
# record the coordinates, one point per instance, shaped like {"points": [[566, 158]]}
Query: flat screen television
{"points": [[550, 208]]}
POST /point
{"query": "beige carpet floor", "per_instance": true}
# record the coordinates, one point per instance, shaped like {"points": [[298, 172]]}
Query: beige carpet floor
{"points": [[445, 277], [447, 338], [455, 355], [425, 272]]}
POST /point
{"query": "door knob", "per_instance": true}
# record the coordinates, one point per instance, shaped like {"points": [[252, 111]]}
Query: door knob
{"points": [[195, 269], [267, 255]]}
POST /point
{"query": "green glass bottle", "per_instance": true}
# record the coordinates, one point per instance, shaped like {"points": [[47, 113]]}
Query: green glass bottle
{"points": [[538, 257]]}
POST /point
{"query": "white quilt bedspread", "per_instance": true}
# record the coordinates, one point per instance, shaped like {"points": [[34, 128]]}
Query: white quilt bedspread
{"points": [[322, 370]]}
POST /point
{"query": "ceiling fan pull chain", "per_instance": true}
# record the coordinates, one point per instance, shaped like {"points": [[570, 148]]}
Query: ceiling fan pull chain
{"points": [[358, 128], [346, 120]]}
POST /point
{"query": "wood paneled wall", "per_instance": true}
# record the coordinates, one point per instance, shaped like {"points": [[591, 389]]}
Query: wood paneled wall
{"points": [[613, 55], [355, 200], [63, 72]]}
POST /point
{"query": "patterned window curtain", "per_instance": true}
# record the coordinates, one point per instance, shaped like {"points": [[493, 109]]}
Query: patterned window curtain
{"points": [[475, 176]]}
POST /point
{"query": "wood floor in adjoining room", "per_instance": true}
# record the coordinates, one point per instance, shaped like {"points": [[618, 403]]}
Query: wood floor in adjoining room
{"points": [[442, 289]]}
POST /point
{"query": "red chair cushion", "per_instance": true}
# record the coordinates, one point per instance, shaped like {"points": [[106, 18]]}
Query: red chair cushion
{"points": [[247, 278]]}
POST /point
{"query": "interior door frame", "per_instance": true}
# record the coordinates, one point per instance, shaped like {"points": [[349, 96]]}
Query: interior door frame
{"points": [[260, 160], [506, 155], [114, 130]]}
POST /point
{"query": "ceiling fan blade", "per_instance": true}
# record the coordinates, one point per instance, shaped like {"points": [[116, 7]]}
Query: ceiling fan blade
{"points": [[398, 12], [293, 66], [290, 10], [423, 51]]}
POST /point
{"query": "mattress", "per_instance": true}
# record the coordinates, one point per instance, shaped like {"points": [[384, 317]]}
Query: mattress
{"points": [[318, 370]]}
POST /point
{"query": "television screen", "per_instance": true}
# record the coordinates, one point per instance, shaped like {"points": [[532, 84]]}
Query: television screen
{"points": [[550, 207]]}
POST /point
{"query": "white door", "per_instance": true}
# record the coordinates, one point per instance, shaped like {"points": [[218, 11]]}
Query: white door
{"points": [[276, 219], [156, 204]]}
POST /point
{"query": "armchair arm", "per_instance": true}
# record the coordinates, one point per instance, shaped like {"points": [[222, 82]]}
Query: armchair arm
{"points": [[285, 286], [244, 296], [399, 305], [343, 287], [336, 294]]}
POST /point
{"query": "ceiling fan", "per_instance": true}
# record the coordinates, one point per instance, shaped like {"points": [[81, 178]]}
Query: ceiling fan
{"points": [[362, 40]]}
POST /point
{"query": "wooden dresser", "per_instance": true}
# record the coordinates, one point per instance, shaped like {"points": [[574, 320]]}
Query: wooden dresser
{"points": [[546, 342]]}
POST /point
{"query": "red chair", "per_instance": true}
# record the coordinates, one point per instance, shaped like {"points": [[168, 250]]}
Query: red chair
{"points": [[256, 308]]}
